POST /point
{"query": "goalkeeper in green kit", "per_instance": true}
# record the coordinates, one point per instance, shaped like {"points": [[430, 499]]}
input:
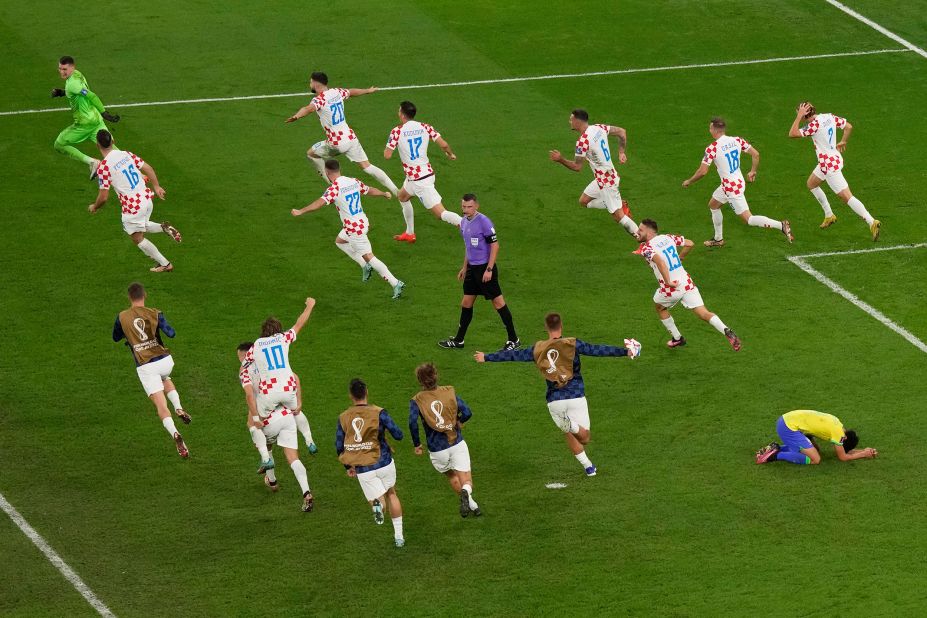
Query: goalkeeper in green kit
{"points": [[88, 111]]}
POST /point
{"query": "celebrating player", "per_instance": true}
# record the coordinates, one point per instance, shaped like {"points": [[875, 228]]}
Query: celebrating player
{"points": [[412, 139], [127, 174], [141, 327], [88, 112], [557, 358], [443, 412], [276, 393], [822, 128], [664, 253], [725, 151], [795, 429], [479, 273], [345, 193], [361, 445], [592, 146]]}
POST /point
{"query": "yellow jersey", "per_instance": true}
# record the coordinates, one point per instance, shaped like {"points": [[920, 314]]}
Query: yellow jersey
{"points": [[818, 424]]}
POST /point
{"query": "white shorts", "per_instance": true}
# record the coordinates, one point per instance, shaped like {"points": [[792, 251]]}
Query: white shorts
{"points": [[835, 180], [154, 373], [456, 457], [376, 482], [424, 190], [610, 195], [269, 402], [690, 299], [359, 244], [281, 428], [738, 202], [566, 410], [352, 149], [139, 221]]}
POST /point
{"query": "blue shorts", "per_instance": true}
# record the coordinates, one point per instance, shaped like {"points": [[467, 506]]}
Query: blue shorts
{"points": [[795, 440]]}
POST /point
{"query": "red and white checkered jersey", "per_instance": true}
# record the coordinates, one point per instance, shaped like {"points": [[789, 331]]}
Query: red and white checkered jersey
{"points": [[823, 132], [665, 246], [412, 139], [271, 359], [122, 170], [593, 144], [329, 106], [248, 376], [725, 153], [346, 193]]}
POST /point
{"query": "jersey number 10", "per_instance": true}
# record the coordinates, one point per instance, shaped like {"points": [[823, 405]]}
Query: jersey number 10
{"points": [[274, 357]]}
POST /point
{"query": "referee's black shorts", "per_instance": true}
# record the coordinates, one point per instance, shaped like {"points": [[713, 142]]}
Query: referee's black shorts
{"points": [[473, 282]]}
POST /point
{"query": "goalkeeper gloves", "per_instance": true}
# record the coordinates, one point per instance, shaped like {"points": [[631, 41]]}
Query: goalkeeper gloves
{"points": [[57, 92], [110, 117]]}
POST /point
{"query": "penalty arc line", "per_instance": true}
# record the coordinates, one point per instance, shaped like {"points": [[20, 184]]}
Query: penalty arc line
{"points": [[504, 80], [877, 27], [55, 559]]}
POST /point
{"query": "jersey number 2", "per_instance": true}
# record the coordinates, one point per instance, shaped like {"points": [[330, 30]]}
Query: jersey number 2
{"points": [[274, 357]]}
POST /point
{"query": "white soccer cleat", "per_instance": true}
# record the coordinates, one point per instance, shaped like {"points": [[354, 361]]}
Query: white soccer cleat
{"points": [[634, 348]]}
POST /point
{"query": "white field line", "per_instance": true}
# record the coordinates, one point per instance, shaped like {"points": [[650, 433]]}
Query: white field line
{"points": [[505, 80], [801, 262], [878, 27], [55, 559]]}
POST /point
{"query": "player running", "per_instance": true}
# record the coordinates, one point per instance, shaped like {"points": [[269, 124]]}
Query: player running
{"points": [[443, 412], [345, 192], [88, 112], [360, 441], [276, 393], [664, 253], [725, 151], [592, 146], [557, 358], [128, 175], [822, 128], [141, 327], [796, 428], [412, 139]]}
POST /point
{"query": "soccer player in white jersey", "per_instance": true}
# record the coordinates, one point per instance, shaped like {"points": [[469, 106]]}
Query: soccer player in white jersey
{"points": [[127, 173], [822, 129], [412, 138], [345, 193], [592, 146], [276, 394], [340, 139], [664, 253], [724, 152]]}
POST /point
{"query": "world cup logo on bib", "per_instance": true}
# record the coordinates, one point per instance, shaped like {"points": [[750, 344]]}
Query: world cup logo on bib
{"points": [[139, 325], [357, 424], [437, 408], [552, 356]]}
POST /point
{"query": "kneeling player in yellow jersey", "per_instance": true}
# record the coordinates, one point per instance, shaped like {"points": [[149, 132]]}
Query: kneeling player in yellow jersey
{"points": [[795, 429]]}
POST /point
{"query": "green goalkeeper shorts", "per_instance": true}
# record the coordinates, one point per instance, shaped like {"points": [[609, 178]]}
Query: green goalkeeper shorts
{"points": [[77, 133]]}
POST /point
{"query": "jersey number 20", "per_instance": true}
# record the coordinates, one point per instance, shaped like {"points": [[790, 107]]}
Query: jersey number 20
{"points": [[337, 112]]}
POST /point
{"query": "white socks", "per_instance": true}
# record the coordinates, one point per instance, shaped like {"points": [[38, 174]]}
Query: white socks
{"points": [[718, 324], [151, 251], [469, 489], [717, 219], [300, 471], [350, 253], [670, 325], [260, 441], [451, 217], [628, 224], [819, 195], [596, 203], [302, 424], [153, 228], [174, 398], [169, 425], [761, 221], [271, 474], [397, 527], [382, 178], [319, 166], [583, 460], [859, 209], [408, 213], [383, 271]]}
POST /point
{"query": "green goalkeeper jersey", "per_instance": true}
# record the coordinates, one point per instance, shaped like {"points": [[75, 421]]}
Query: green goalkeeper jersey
{"points": [[85, 105]]}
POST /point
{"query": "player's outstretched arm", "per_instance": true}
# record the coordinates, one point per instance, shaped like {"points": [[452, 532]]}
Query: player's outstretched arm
{"points": [[378, 193], [575, 164], [600, 349], [443, 145], [621, 135], [524, 355], [304, 316], [302, 112], [862, 453], [313, 206], [102, 196], [147, 170], [698, 175], [357, 92]]}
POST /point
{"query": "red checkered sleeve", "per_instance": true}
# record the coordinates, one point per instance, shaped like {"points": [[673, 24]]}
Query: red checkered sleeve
{"points": [[810, 129], [605, 127], [103, 175], [646, 251], [744, 144], [289, 336], [244, 376], [249, 357], [840, 122], [430, 130], [319, 102], [345, 93], [710, 153], [678, 240], [137, 160], [393, 140], [582, 145], [330, 194], [364, 189]]}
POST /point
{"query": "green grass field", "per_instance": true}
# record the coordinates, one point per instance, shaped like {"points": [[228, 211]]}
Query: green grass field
{"points": [[679, 520]]}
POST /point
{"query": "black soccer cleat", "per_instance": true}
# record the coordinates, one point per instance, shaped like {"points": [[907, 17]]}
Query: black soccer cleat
{"points": [[464, 503], [451, 344], [511, 345]]}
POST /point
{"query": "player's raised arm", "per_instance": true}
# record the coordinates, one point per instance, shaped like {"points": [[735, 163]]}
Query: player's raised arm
{"points": [[620, 134], [800, 113], [147, 170], [575, 164], [313, 206], [302, 112], [357, 92], [304, 316], [698, 175]]}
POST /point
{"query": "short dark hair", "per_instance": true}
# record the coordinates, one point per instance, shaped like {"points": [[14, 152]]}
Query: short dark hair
{"points": [[427, 375], [244, 346], [850, 442], [332, 165], [580, 114], [270, 327], [358, 388], [553, 321], [718, 122], [104, 138], [470, 197], [136, 291], [319, 76], [66, 60], [408, 109], [651, 224]]}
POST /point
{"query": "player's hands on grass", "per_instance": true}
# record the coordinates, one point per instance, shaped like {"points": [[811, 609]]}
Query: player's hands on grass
{"points": [[57, 92], [479, 357], [110, 117], [841, 146], [751, 176], [555, 156], [418, 449], [871, 453]]}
